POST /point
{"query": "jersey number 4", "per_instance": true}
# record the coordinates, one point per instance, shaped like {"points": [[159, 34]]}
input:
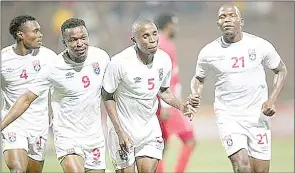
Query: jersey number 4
{"points": [[238, 62], [24, 74]]}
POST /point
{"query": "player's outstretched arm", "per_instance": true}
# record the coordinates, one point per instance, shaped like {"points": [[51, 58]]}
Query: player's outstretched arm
{"points": [[110, 105], [171, 100], [18, 108]]}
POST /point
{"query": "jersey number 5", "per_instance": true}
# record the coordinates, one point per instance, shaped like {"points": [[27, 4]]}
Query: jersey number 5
{"points": [[86, 81], [24, 74], [238, 62], [151, 83]]}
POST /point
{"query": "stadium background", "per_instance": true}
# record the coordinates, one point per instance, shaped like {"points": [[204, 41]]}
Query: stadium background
{"points": [[109, 25]]}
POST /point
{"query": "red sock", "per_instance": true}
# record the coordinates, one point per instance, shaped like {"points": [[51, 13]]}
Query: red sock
{"points": [[183, 158], [160, 168]]}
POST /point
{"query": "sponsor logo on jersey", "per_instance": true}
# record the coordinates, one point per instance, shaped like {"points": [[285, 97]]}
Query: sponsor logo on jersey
{"points": [[137, 79], [69, 75], [160, 74], [37, 66], [252, 54], [96, 68]]}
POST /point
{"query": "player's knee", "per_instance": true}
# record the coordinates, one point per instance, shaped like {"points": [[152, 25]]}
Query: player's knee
{"points": [[261, 169], [241, 165], [18, 170], [192, 143], [241, 162]]}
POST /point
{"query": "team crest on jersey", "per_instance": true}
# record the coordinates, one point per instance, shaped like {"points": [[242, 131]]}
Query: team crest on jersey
{"points": [[11, 136], [252, 54], [228, 140], [160, 74], [37, 66], [96, 68]]}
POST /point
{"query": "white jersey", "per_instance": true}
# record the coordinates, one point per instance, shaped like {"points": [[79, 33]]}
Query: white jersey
{"points": [[136, 86], [16, 74], [77, 93], [241, 86]]}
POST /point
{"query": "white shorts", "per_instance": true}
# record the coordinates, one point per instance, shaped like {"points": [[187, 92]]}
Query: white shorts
{"points": [[34, 142], [91, 150], [152, 147], [255, 138]]}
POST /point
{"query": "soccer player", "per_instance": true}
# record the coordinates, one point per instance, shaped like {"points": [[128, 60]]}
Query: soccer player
{"points": [[24, 141], [76, 78], [242, 105], [171, 120], [132, 81]]}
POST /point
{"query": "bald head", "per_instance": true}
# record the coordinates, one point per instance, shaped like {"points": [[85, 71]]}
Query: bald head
{"points": [[140, 24], [229, 7]]}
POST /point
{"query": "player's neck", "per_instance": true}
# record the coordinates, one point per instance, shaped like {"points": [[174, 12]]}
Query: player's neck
{"points": [[238, 37], [20, 49], [143, 57]]}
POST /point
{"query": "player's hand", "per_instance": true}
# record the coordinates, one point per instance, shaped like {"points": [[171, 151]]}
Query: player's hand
{"points": [[268, 108], [194, 100], [189, 111], [125, 142]]}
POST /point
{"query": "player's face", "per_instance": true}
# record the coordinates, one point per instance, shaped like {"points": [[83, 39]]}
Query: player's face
{"points": [[147, 38], [76, 40], [229, 21], [31, 35]]}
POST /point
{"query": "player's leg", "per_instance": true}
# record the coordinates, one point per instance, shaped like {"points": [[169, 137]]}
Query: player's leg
{"points": [[15, 150], [189, 144], [240, 161], [260, 147], [34, 166], [146, 164], [260, 166], [149, 153], [235, 142], [72, 163], [16, 160], [165, 135], [69, 153]]}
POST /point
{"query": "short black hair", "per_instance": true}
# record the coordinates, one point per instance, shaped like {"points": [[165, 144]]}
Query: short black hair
{"points": [[163, 19], [17, 22], [72, 23]]}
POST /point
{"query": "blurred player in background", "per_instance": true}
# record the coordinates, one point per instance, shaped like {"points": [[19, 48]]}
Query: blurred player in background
{"points": [[242, 105], [132, 81], [24, 141], [171, 120], [77, 80]]}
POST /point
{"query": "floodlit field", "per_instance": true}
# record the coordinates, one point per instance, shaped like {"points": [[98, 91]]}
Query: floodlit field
{"points": [[209, 157]]}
